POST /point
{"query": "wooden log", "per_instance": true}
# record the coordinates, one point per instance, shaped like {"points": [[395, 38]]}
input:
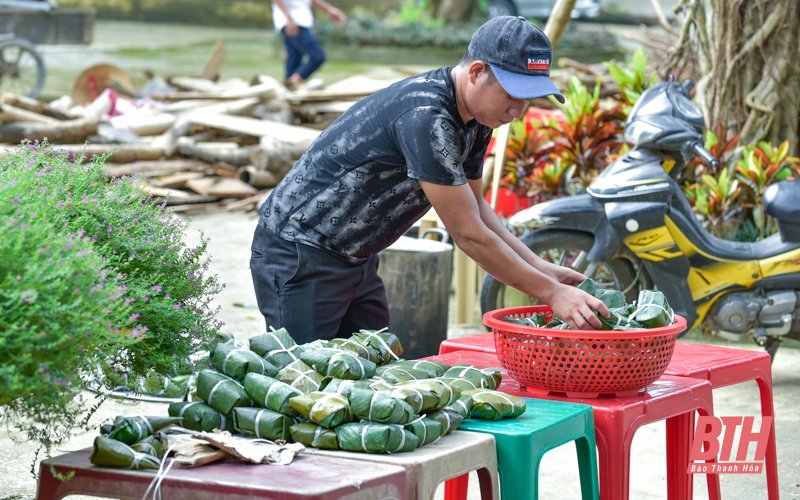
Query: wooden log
{"points": [[258, 178], [34, 106], [145, 124], [11, 113], [228, 152], [176, 181], [239, 125], [250, 203], [214, 63], [70, 131], [221, 187], [155, 168], [116, 153]]}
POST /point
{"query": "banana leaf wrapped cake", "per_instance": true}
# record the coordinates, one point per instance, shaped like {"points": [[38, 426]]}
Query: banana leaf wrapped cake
{"points": [[236, 362], [277, 347], [386, 344], [489, 404], [262, 423], [220, 391], [372, 437], [271, 393], [198, 416], [108, 452], [300, 375], [129, 430], [378, 406], [338, 363], [327, 409], [314, 436]]}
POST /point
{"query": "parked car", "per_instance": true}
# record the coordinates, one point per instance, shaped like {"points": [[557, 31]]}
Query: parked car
{"points": [[540, 9]]}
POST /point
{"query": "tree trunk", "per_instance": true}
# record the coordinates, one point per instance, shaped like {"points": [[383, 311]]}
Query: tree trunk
{"points": [[743, 56]]}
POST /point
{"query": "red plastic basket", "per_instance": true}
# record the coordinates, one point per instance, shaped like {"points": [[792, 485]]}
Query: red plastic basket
{"points": [[581, 363]]}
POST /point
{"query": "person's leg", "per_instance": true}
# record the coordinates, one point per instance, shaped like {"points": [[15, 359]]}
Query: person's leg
{"points": [[369, 309], [313, 53], [294, 55], [300, 288]]}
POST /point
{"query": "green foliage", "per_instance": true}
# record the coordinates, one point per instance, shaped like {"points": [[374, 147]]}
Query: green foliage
{"points": [[95, 281], [559, 156], [632, 79]]}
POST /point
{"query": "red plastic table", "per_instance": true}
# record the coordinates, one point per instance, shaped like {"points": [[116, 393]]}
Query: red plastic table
{"points": [[673, 399], [722, 366], [307, 477]]}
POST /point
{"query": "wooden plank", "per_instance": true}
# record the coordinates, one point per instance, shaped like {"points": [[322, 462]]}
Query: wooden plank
{"points": [[239, 125], [223, 187]]}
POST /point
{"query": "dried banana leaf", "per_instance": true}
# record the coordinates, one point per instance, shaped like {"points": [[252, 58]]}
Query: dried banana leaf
{"points": [[220, 391], [653, 310], [495, 405], [262, 423], [128, 430], [298, 374], [271, 393], [315, 436], [448, 417], [108, 452], [385, 343], [236, 362], [276, 346], [482, 377], [352, 345], [198, 416], [376, 406], [327, 409], [338, 363], [436, 393], [426, 429], [372, 437]]}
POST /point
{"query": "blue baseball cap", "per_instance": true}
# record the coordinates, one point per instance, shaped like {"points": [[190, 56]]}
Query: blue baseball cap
{"points": [[519, 54]]}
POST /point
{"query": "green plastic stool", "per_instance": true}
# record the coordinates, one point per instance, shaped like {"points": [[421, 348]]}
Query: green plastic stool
{"points": [[544, 425]]}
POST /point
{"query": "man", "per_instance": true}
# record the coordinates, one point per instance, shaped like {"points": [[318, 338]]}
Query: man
{"points": [[380, 167], [294, 19]]}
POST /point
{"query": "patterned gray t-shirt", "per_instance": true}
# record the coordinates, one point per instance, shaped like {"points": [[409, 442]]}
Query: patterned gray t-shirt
{"points": [[356, 190]]}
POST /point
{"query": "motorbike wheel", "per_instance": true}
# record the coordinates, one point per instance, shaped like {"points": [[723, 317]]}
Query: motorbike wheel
{"points": [[570, 249]]}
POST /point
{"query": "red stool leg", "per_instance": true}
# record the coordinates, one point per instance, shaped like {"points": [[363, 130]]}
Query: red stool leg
{"points": [[456, 488]]}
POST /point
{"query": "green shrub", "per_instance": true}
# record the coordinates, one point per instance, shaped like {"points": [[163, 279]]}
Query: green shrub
{"points": [[96, 282]]}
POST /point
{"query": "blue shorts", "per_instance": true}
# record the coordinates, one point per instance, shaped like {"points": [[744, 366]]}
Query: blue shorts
{"points": [[312, 293]]}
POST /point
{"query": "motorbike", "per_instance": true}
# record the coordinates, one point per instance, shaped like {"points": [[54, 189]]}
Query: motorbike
{"points": [[634, 229]]}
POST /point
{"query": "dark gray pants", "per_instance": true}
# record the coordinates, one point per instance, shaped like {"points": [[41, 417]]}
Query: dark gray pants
{"points": [[313, 294]]}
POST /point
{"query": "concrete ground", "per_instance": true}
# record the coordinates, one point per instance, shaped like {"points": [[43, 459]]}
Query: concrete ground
{"points": [[230, 235]]}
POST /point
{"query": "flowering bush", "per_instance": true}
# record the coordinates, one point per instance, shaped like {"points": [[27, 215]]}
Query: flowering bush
{"points": [[95, 280]]}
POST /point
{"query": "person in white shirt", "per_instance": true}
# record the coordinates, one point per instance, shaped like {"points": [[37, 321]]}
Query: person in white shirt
{"points": [[294, 19]]}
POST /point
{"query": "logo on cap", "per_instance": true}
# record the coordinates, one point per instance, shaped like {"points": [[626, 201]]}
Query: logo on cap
{"points": [[539, 61]]}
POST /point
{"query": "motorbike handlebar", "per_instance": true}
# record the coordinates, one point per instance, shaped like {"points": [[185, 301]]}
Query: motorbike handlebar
{"points": [[705, 155]]}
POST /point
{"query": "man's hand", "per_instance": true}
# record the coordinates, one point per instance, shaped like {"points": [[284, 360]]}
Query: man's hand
{"points": [[577, 308]]}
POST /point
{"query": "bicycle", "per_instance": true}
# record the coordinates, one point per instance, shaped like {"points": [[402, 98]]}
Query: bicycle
{"points": [[22, 68]]}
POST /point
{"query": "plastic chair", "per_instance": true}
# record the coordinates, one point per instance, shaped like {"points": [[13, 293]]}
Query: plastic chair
{"points": [[724, 366], [670, 398], [721, 366], [452, 456], [523, 441]]}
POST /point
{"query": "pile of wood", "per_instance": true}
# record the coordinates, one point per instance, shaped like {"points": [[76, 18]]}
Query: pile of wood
{"points": [[201, 143]]}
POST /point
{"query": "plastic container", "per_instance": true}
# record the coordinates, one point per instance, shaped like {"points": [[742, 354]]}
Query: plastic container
{"points": [[581, 363]]}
